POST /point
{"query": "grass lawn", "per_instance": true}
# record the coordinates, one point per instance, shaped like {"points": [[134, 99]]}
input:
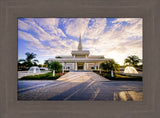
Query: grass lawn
{"points": [[126, 77]]}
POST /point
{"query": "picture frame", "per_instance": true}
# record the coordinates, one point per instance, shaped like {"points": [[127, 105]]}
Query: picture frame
{"points": [[10, 107]]}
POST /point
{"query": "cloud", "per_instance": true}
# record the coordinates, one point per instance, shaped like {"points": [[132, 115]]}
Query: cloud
{"points": [[133, 27], [45, 29], [75, 26], [53, 36], [89, 28], [23, 26], [50, 25], [120, 41], [128, 20], [96, 28], [56, 45], [28, 37]]}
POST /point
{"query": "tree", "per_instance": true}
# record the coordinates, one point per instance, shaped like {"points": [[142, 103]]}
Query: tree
{"points": [[46, 63], [40, 65], [109, 65], [132, 60], [54, 65], [28, 62]]}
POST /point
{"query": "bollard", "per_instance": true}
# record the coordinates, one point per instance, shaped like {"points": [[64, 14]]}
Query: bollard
{"points": [[100, 71], [53, 73], [112, 73]]}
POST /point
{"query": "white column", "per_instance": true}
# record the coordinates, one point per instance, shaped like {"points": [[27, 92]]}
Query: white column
{"points": [[65, 66], [84, 66], [76, 66], [95, 66], [98, 66], [73, 66]]}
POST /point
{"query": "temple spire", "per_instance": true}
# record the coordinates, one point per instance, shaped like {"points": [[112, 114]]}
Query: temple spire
{"points": [[80, 44]]}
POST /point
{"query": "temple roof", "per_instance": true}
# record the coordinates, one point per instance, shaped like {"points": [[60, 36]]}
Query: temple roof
{"points": [[77, 52], [76, 60]]}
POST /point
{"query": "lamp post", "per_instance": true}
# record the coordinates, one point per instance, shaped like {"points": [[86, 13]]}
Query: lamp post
{"points": [[112, 73], [53, 73]]}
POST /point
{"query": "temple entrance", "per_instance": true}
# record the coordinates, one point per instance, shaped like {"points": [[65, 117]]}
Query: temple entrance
{"points": [[80, 66]]}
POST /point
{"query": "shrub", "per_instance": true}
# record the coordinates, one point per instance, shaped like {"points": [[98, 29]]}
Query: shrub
{"points": [[56, 76], [108, 75], [66, 71]]}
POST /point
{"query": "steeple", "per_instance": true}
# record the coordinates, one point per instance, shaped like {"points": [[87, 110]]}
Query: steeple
{"points": [[80, 44]]}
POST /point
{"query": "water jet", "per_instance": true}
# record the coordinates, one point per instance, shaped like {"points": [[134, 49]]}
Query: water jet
{"points": [[130, 69], [34, 69]]}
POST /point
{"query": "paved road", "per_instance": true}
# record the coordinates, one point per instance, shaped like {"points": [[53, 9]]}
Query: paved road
{"points": [[80, 86]]}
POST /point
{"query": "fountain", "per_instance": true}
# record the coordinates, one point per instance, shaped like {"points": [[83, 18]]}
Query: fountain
{"points": [[34, 69], [130, 69]]}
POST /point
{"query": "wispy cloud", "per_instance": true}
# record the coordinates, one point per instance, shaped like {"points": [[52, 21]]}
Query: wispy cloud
{"points": [[28, 37], [75, 26]]}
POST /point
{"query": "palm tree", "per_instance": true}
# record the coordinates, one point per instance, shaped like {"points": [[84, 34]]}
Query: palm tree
{"points": [[28, 62], [132, 60]]}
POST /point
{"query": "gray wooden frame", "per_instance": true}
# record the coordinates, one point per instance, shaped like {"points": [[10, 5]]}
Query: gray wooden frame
{"points": [[146, 9]]}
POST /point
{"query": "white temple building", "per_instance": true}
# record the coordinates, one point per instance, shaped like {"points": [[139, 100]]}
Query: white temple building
{"points": [[80, 60]]}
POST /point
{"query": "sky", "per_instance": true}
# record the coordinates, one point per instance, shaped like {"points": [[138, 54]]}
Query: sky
{"points": [[115, 38]]}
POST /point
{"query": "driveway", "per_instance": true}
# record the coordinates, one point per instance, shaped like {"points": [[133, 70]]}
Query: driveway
{"points": [[80, 86]]}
